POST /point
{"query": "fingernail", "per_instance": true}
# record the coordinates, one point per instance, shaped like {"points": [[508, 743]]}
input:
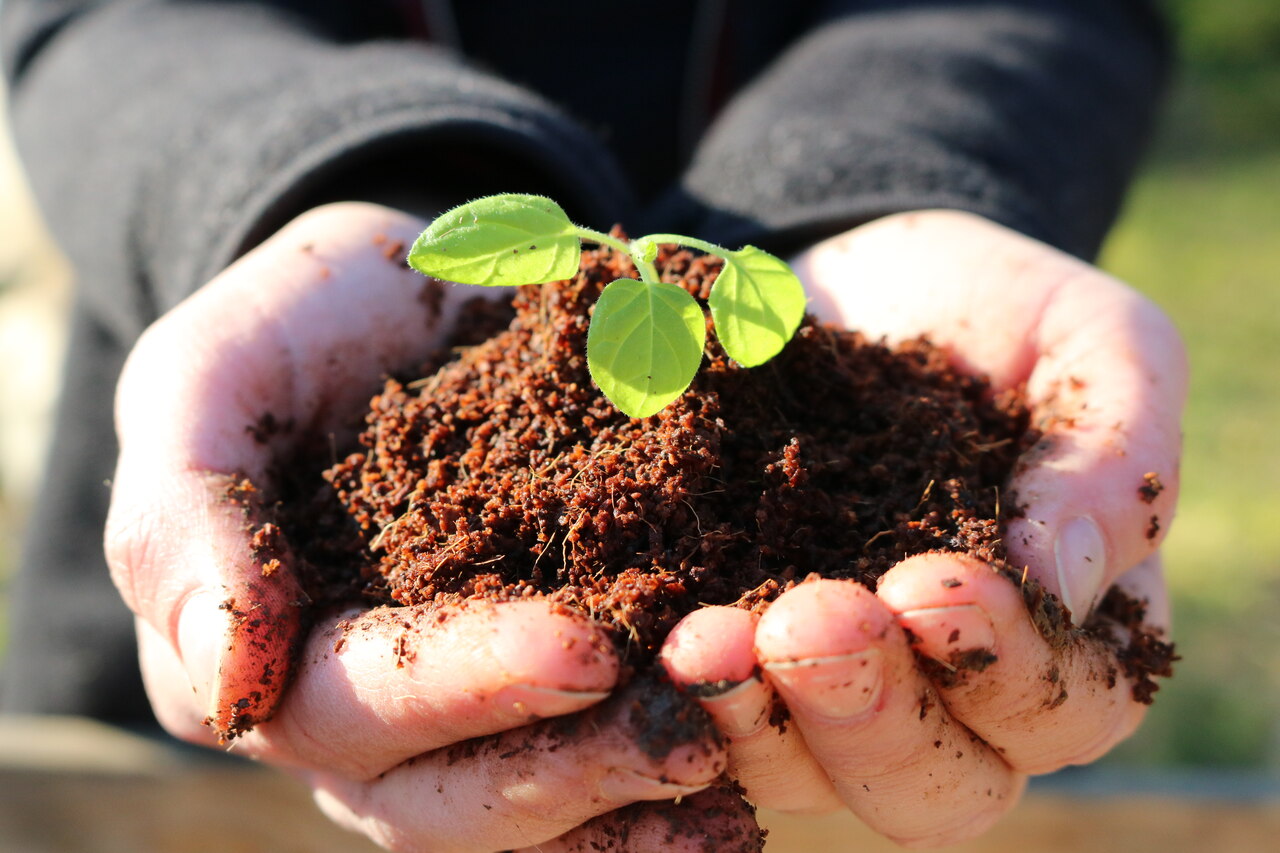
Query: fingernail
{"points": [[1081, 556], [528, 701], [836, 687], [740, 711], [202, 637], [622, 785], [941, 632]]}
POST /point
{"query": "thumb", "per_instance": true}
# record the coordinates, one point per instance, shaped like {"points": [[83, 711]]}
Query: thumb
{"points": [[193, 556], [1097, 492]]}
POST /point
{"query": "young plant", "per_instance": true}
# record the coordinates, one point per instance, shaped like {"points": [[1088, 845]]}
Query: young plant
{"points": [[646, 337]]}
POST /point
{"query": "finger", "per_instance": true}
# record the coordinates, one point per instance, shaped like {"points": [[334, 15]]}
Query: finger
{"points": [[382, 686], [715, 819], [374, 690], [296, 330], [896, 757], [1019, 677], [533, 784], [710, 655], [1097, 492]]}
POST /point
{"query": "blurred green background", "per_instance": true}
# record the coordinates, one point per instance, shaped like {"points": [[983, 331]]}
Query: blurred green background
{"points": [[1200, 234]]}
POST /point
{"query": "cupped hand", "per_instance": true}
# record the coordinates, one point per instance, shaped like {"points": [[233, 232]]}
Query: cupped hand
{"points": [[936, 760], [415, 729]]}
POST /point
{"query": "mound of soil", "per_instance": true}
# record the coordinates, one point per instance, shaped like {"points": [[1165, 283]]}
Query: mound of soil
{"points": [[506, 473]]}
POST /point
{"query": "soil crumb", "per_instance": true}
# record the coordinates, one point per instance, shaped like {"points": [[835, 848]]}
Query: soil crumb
{"points": [[1142, 652]]}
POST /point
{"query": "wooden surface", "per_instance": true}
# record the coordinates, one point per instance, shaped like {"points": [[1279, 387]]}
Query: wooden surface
{"points": [[69, 786]]}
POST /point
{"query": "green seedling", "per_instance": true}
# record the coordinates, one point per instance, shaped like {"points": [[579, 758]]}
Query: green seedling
{"points": [[646, 337]]}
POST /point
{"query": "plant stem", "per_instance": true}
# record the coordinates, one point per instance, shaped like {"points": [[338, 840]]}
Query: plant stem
{"points": [[603, 239], [690, 242], [648, 272]]}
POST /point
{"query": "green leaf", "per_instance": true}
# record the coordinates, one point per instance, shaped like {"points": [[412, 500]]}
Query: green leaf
{"points": [[499, 240], [645, 344], [757, 304]]}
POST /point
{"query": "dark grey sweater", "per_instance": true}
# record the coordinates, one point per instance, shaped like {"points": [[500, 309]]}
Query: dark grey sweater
{"points": [[163, 139]]}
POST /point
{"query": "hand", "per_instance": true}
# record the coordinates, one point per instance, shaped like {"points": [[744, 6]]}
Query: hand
{"points": [[377, 711], [928, 762]]}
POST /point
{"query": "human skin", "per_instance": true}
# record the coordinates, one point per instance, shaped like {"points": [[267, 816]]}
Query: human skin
{"points": [[307, 323]]}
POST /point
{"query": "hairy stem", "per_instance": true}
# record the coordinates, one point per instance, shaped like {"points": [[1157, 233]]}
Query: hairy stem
{"points": [[648, 272], [690, 242]]}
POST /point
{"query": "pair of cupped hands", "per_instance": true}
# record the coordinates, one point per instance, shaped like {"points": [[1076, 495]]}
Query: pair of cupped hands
{"points": [[304, 326]]}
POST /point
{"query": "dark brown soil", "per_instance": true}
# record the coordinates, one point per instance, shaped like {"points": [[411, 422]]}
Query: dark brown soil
{"points": [[504, 474], [507, 474]]}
